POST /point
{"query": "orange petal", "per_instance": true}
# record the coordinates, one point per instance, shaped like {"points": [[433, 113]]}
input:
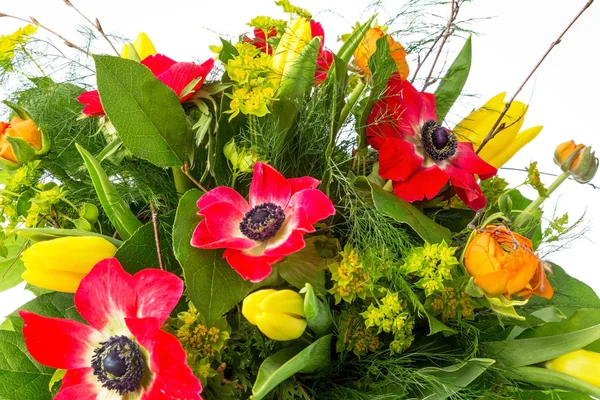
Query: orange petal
{"points": [[494, 283], [528, 265]]}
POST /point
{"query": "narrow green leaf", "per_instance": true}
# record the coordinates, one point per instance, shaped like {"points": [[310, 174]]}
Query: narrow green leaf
{"points": [[289, 361], [228, 51], [41, 234], [114, 206], [436, 326], [555, 379], [213, 286], [453, 82], [347, 50], [402, 211], [146, 113]]}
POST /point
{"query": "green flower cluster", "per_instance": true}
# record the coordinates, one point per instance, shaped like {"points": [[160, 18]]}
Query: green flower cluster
{"points": [[433, 263], [354, 335], [349, 276], [452, 304], [267, 24], [390, 315]]}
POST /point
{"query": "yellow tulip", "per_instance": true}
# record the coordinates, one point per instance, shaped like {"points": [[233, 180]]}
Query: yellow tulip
{"points": [[60, 264], [508, 141], [295, 38], [279, 314], [581, 364], [140, 49]]}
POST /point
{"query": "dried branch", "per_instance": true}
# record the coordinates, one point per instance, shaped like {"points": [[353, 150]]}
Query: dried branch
{"points": [[494, 131], [96, 25], [156, 237]]}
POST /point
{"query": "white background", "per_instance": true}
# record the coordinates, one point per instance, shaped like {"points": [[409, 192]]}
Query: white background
{"points": [[563, 95]]}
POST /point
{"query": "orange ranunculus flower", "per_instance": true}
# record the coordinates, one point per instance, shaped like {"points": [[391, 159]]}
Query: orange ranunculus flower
{"points": [[368, 45], [500, 269], [25, 129]]}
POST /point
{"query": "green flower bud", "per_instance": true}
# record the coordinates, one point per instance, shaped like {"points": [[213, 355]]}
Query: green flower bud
{"points": [[89, 212], [316, 312]]}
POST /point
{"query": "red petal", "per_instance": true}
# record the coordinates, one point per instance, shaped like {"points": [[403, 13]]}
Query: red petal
{"points": [[226, 194], [254, 269], [306, 182], [106, 294], [57, 342], [223, 220], [466, 187], [383, 121], [157, 293], [268, 186], [158, 63], [417, 108], [324, 62], [182, 74], [173, 379], [316, 29], [91, 101], [466, 158], [294, 243], [314, 202], [398, 159], [77, 385], [424, 183], [204, 240]]}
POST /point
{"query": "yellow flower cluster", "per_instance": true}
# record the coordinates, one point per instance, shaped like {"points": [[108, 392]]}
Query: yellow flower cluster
{"points": [[199, 340], [355, 336], [16, 185], [349, 276], [391, 316], [432, 263], [252, 93], [9, 43], [453, 305], [267, 23]]}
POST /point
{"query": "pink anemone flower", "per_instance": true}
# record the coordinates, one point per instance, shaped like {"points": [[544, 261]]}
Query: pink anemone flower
{"points": [[417, 153], [122, 353], [183, 77], [259, 233]]}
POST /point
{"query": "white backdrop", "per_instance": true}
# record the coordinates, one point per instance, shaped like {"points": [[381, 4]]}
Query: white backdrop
{"points": [[563, 95]]}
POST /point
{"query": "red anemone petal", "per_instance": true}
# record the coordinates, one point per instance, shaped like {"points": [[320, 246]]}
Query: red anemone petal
{"points": [[466, 187], [383, 119], [158, 63], [398, 159], [306, 182], [76, 385], [226, 194], [316, 29], [424, 183], [202, 238], [314, 202], [91, 101], [56, 342], [466, 158], [294, 243], [182, 74], [173, 379], [417, 108], [254, 269], [106, 294], [268, 186], [223, 220], [157, 293]]}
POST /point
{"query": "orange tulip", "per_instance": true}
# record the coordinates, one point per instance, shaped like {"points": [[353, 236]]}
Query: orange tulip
{"points": [[24, 129], [500, 269], [579, 160], [368, 45]]}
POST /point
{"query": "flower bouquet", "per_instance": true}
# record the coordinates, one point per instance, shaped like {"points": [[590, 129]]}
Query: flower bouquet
{"points": [[281, 221]]}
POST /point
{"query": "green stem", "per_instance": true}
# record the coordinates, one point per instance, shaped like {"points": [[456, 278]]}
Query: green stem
{"points": [[521, 220], [352, 100], [182, 182]]}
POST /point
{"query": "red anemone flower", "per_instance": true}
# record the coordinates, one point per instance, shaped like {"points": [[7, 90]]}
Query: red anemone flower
{"points": [[417, 153], [183, 77], [268, 228], [260, 40], [122, 353]]}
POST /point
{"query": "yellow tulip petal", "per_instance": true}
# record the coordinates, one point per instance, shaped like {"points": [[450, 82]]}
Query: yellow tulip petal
{"points": [[517, 144], [280, 326], [581, 364], [144, 46], [60, 281], [251, 304], [293, 41], [284, 301], [475, 127], [125, 52]]}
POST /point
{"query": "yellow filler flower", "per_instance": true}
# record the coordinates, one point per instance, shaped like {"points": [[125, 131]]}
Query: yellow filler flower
{"points": [[140, 49], [279, 314], [508, 141], [60, 264], [581, 364]]}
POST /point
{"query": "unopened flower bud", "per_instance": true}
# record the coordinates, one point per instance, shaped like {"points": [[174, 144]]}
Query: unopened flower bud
{"points": [[579, 160]]}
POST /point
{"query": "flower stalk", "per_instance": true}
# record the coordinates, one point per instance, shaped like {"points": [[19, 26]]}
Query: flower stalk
{"points": [[522, 219]]}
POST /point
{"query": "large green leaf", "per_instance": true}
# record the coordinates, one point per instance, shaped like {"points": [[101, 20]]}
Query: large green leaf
{"points": [[213, 286], [296, 359], [139, 251], [548, 378], [453, 82], [116, 209], [402, 211], [12, 267], [146, 113], [54, 304]]}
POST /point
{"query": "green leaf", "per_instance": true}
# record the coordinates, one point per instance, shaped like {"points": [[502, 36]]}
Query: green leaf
{"points": [[146, 113], [347, 50], [213, 286], [114, 206], [453, 378], [404, 212], [58, 376], [296, 359], [54, 305], [549, 378], [317, 312], [453, 82], [139, 251], [306, 266], [552, 395], [41, 234], [12, 267], [228, 51], [436, 326], [23, 150]]}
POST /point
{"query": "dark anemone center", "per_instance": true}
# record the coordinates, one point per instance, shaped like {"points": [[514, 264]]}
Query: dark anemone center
{"points": [[118, 364], [262, 222], [439, 143]]}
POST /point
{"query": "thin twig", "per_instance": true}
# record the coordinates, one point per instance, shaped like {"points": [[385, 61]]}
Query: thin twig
{"points": [[493, 131], [186, 170], [421, 62], [303, 389], [34, 21], [156, 237], [17, 257], [96, 25], [547, 174]]}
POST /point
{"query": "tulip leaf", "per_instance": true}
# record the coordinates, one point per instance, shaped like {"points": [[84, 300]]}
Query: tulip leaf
{"points": [[436, 326], [548, 378], [146, 113], [11, 267], [53, 304], [404, 212], [296, 359], [114, 206], [213, 286], [347, 50], [41, 234], [453, 82], [316, 312]]}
